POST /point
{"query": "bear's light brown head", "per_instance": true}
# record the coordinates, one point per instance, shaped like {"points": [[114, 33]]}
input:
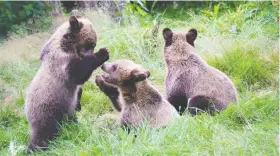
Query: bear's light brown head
{"points": [[124, 72], [178, 46], [75, 36]]}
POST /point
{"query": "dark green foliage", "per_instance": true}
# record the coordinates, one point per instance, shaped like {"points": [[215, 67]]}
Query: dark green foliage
{"points": [[15, 12], [247, 67]]}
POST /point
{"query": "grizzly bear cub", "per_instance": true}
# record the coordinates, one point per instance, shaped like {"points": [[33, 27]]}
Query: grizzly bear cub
{"points": [[131, 93], [190, 80], [67, 62]]}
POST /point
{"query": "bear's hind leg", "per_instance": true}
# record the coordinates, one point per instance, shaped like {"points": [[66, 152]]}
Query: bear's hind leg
{"points": [[42, 132], [37, 142], [179, 102], [78, 107], [200, 104]]}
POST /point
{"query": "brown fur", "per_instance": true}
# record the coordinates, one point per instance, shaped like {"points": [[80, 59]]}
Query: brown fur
{"points": [[67, 62], [139, 100], [190, 77]]}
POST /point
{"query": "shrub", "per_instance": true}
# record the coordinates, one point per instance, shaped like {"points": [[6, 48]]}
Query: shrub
{"points": [[16, 12]]}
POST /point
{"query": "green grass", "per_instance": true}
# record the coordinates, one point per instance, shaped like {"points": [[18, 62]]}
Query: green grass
{"points": [[248, 66], [249, 127]]}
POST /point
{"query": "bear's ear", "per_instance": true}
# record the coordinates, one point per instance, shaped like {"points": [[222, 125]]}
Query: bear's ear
{"points": [[137, 76], [191, 36], [75, 25], [167, 35]]}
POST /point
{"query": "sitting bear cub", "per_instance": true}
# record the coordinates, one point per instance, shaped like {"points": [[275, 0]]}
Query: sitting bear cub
{"points": [[138, 101], [190, 78]]}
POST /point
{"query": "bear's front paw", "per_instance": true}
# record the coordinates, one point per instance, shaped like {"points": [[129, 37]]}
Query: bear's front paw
{"points": [[99, 82], [102, 54], [105, 87]]}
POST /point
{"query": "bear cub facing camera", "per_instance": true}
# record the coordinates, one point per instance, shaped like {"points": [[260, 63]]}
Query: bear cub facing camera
{"points": [[132, 94], [190, 80], [68, 61]]}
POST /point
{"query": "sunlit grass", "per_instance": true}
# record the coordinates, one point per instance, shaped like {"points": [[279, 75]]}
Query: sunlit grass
{"points": [[249, 127]]}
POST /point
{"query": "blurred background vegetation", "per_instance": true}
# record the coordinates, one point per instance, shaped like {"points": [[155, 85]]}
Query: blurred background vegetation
{"points": [[229, 16], [13, 13]]}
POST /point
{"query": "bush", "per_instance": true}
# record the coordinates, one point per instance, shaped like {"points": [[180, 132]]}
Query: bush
{"points": [[16, 12]]}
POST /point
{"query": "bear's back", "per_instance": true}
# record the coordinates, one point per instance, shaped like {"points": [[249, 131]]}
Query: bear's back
{"points": [[206, 80]]}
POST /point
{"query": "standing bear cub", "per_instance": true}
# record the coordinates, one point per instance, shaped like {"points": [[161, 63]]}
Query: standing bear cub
{"points": [[138, 101], [190, 80], [68, 62]]}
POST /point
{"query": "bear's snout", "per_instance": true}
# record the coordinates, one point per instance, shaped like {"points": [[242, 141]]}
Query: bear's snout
{"points": [[106, 67]]}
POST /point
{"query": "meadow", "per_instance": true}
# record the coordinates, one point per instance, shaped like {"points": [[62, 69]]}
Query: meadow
{"points": [[247, 51]]}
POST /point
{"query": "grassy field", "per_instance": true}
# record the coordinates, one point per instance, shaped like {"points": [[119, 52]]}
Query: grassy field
{"points": [[249, 56]]}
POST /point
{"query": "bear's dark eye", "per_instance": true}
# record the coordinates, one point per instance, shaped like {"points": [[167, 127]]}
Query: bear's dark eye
{"points": [[114, 67]]}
